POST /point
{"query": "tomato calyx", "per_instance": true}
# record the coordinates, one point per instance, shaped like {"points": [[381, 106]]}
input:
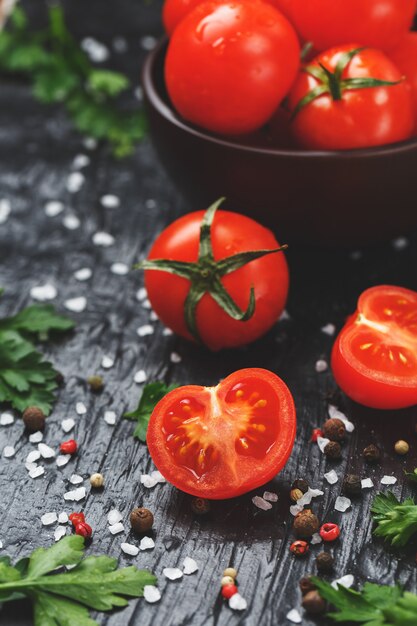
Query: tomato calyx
{"points": [[206, 273], [332, 83]]}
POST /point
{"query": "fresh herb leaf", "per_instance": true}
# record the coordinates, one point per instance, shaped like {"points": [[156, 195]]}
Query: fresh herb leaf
{"points": [[38, 320], [62, 599], [396, 521], [412, 476], [152, 393]]}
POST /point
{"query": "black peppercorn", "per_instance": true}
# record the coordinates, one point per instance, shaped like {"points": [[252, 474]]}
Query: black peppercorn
{"points": [[34, 419], [313, 603], [372, 454], [324, 562], [352, 484], [306, 524], [141, 520], [333, 450], [96, 383], [59, 377], [306, 585], [300, 484], [334, 429], [199, 506]]}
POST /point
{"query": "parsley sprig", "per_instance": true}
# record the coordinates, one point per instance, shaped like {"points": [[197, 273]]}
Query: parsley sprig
{"points": [[151, 395], [375, 605], [62, 73], [26, 379], [62, 598], [396, 521]]}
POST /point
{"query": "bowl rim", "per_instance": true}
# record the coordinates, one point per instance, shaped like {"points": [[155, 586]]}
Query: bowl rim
{"points": [[168, 112]]}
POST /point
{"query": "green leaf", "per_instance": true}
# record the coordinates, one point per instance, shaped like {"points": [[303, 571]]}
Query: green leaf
{"points": [[54, 611], [396, 521], [37, 319], [350, 604], [412, 476], [152, 393], [107, 82], [68, 551]]}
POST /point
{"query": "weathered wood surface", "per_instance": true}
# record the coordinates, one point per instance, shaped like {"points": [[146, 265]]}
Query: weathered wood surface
{"points": [[37, 146]]}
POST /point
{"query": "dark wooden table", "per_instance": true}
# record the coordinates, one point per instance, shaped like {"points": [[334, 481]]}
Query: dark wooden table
{"points": [[37, 146]]}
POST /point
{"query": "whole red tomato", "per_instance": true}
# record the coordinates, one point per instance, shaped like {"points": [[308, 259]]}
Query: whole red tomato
{"points": [[229, 64], [374, 358], [405, 58], [374, 23], [350, 97], [219, 442], [221, 284]]}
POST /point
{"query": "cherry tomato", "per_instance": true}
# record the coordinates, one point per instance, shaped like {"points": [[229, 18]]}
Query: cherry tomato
{"points": [[375, 23], [229, 64], [405, 58], [219, 442], [374, 358], [355, 109], [231, 234]]}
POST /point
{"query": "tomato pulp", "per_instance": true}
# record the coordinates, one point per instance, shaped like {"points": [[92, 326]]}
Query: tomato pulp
{"points": [[374, 358], [219, 442]]}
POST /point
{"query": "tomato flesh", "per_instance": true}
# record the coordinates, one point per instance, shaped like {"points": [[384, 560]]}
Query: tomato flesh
{"points": [[219, 442], [374, 359]]}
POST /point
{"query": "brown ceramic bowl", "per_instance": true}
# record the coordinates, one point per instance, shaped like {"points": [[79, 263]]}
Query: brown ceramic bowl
{"points": [[351, 198]]}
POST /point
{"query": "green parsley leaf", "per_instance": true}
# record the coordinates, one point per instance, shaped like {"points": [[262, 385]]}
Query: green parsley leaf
{"points": [[412, 476], [62, 599], [107, 82], [38, 320], [152, 393], [396, 521]]}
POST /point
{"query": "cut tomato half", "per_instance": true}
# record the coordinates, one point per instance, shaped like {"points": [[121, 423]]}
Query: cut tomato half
{"points": [[374, 358], [219, 442]]}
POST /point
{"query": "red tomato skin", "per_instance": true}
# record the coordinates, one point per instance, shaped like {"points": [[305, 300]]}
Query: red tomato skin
{"points": [[230, 64], [223, 489], [405, 58], [364, 117], [375, 23], [231, 233]]}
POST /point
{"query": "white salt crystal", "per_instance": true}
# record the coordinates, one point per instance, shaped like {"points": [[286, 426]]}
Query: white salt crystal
{"points": [[90, 143], [36, 472], [42, 293], [49, 518], [388, 480], [129, 549], [172, 573], [75, 181], [96, 51], [146, 544], [321, 366], [140, 376], [80, 161], [53, 208], [148, 42], [367, 483], [148, 481], [336, 414], [80, 408], [5, 210], [270, 496], [110, 418], [153, 316], [115, 529], [138, 93], [103, 239], [309, 495], [114, 516], [146, 304], [342, 504], [141, 294], [75, 495], [63, 518], [71, 222], [67, 425], [151, 594], [400, 243], [1, 545], [120, 269], [36, 437], [6, 419], [145, 330], [119, 45], [315, 539], [322, 443], [284, 316], [107, 362], [331, 477], [76, 479], [63, 459], [83, 274], [60, 531], [328, 329], [8, 452], [174, 357], [167, 332], [76, 305], [346, 581], [237, 603], [262, 504], [189, 566], [294, 616], [31, 466], [33, 456], [295, 509], [109, 201], [156, 475], [46, 451]]}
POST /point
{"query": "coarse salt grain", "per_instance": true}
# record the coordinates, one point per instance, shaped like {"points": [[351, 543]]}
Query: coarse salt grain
{"points": [[146, 304], [53, 208], [6, 419], [262, 504], [107, 362], [80, 408], [321, 366], [388, 480], [90, 143], [328, 329], [342, 504], [67, 425], [237, 603], [167, 332], [109, 201], [110, 418], [148, 42], [119, 45], [46, 451], [103, 239], [140, 376], [367, 483], [331, 477], [75, 495], [1, 545], [5, 209], [33, 456], [345, 581], [43, 293], [400, 243], [141, 294], [151, 594], [71, 222], [36, 437], [80, 161], [156, 475], [315, 539], [75, 181], [49, 518], [76, 305], [120, 269], [76, 479], [284, 316], [270, 496], [294, 616], [63, 518], [129, 549], [146, 544], [174, 357], [150, 203], [336, 414], [30, 466], [60, 531], [172, 573], [83, 274], [97, 51], [114, 516], [295, 509], [63, 459], [148, 481], [8, 452], [153, 316], [145, 330], [189, 566], [115, 529], [322, 443], [309, 495], [36, 472]]}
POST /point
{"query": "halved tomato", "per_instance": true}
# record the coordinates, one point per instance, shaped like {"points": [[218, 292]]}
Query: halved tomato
{"points": [[374, 358], [219, 442]]}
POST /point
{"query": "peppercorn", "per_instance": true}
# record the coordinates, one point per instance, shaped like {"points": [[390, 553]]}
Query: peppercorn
{"points": [[296, 494], [372, 454], [306, 585], [324, 562], [59, 377], [69, 447], [313, 603], [402, 447], [306, 524], [141, 520], [227, 580], [317, 432], [34, 419], [300, 484], [299, 547], [352, 484], [230, 571], [76, 518], [228, 591], [96, 480], [96, 383], [199, 506], [329, 532], [334, 429], [84, 530], [333, 450]]}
